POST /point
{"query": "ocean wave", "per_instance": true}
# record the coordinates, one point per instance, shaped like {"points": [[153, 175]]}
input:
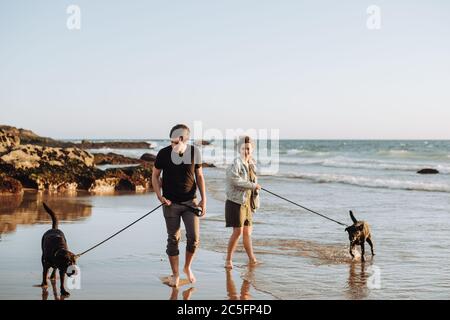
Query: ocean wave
{"points": [[394, 152], [370, 182], [365, 164]]}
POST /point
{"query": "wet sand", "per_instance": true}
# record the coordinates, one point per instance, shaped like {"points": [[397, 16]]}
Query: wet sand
{"points": [[129, 266]]}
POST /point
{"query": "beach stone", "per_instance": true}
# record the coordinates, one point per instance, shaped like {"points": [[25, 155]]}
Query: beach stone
{"points": [[428, 171]]}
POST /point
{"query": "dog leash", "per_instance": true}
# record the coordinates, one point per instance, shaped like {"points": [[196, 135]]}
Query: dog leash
{"points": [[115, 234], [298, 205]]}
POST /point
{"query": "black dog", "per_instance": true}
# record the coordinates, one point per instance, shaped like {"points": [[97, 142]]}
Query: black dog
{"points": [[358, 233], [55, 253]]}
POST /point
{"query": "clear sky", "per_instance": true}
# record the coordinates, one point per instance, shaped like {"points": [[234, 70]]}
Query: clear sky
{"points": [[309, 68]]}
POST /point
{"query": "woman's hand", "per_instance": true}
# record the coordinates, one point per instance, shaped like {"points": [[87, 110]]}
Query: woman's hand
{"points": [[258, 187]]}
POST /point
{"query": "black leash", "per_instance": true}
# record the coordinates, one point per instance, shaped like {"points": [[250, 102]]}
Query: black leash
{"points": [[298, 205], [115, 234]]}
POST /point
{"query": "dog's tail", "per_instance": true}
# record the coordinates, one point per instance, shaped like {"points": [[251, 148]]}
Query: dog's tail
{"points": [[353, 217], [52, 215]]}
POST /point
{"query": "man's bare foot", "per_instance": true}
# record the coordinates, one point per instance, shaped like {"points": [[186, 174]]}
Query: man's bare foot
{"points": [[174, 281], [253, 262], [189, 274], [228, 264]]}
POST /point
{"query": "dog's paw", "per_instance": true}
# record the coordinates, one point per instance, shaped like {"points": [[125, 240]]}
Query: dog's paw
{"points": [[65, 293]]}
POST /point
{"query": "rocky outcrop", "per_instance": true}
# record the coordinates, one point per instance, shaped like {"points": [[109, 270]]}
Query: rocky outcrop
{"points": [[428, 171], [113, 158], [10, 186], [55, 169], [137, 178], [8, 141], [114, 145], [29, 137], [148, 157], [64, 169]]}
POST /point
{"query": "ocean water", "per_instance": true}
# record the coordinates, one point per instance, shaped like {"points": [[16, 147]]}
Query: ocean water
{"points": [[305, 256]]}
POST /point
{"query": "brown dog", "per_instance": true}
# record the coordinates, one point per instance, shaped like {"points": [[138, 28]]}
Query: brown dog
{"points": [[55, 253], [358, 234]]}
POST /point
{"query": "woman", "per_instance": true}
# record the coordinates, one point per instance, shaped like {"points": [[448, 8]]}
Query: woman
{"points": [[242, 200]]}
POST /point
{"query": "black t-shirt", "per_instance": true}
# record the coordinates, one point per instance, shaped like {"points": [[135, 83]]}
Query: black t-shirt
{"points": [[178, 172]]}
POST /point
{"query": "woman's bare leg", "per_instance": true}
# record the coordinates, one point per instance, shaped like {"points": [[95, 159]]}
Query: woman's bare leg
{"points": [[248, 244], [232, 244]]}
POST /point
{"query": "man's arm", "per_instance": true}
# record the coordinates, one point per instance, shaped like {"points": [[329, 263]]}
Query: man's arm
{"points": [[157, 186], [202, 187]]}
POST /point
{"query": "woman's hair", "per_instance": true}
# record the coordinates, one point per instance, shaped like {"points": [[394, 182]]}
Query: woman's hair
{"points": [[243, 140]]}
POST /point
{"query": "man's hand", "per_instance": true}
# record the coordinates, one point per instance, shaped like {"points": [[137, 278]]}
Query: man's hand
{"points": [[258, 187], [165, 201], [202, 205]]}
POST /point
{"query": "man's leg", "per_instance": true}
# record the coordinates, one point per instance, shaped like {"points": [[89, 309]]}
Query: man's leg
{"points": [[192, 225], [173, 237]]}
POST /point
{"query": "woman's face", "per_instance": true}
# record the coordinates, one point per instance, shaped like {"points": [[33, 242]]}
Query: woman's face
{"points": [[246, 150]]}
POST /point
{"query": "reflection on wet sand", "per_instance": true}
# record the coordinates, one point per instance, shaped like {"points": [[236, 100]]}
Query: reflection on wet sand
{"points": [[27, 209], [231, 287], [186, 293], [357, 281], [54, 291]]}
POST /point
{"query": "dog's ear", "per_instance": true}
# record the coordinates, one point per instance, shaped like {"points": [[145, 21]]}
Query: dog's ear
{"points": [[346, 229], [353, 217]]}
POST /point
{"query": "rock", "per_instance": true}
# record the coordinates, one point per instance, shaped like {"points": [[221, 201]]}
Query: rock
{"points": [[67, 169], [8, 141], [10, 186], [203, 143], [104, 185], [208, 165], [428, 171], [31, 156], [55, 169], [29, 137], [114, 145], [137, 178], [148, 157], [113, 158]]}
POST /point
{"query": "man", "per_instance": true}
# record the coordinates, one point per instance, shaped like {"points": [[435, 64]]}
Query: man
{"points": [[181, 168]]}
